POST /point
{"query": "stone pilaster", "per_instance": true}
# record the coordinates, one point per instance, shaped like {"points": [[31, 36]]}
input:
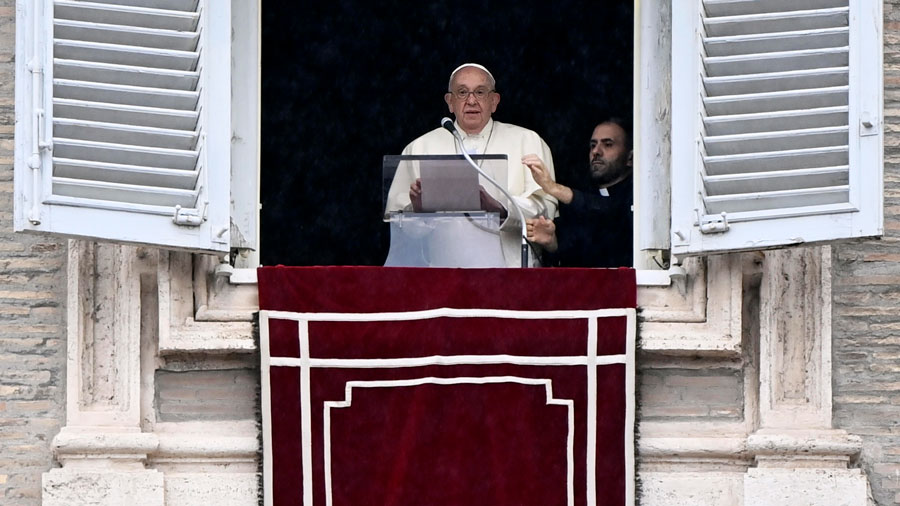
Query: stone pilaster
{"points": [[102, 448], [800, 459]]}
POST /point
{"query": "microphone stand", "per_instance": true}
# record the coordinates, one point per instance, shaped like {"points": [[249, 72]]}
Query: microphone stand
{"points": [[447, 123]]}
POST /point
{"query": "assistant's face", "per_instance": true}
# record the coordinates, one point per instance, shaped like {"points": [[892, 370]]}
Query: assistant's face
{"points": [[609, 156], [472, 113]]}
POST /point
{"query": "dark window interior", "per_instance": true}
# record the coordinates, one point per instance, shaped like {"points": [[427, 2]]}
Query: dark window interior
{"points": [[346, 82]]}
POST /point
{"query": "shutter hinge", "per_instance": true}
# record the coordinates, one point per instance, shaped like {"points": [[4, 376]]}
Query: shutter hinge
{"points": [[712, 224], [190, 217]]}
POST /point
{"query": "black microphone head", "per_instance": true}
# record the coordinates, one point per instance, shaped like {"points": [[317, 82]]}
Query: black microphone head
{"points": [[448, 124]]}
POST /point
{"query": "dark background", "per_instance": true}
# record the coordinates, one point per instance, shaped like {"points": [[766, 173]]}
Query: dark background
{"points": [[346, 82]]}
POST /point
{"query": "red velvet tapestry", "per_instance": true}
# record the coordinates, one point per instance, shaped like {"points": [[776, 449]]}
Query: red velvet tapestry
{"points": [[447, 387]]}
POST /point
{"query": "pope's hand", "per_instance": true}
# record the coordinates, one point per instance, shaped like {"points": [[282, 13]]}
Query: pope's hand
{"points": [[415, 195]]}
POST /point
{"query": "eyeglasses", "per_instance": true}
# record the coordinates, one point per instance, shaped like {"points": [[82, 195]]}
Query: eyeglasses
{"points": [[463, 94]]}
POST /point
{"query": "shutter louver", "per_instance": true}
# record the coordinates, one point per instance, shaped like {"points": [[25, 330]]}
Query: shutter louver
{"points": [[126, 58], [114, 136], [775, 134], [776, 86]]}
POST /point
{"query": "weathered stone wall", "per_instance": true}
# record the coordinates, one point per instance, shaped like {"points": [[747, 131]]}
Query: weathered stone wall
{"points": [[207, 395], [866, 314], [685, 390], [32, 319]]}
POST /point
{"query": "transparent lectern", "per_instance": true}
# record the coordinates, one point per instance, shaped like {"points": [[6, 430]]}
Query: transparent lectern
{"points": [[449, 228]]}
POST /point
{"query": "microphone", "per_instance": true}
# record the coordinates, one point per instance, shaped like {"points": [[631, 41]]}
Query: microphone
{"points": [[448, 124]]}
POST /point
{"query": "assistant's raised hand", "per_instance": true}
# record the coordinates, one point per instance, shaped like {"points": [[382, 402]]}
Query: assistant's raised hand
{"points": [[539, 171], [544, 179]]}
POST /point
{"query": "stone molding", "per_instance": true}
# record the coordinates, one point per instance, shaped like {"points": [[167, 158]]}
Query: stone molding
{"points": [[804, 448], [697, 315], [682, 454], [221, 322]]}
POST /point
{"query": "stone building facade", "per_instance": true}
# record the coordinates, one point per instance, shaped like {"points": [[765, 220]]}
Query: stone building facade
{"points": [[865, 285], [765, 378], [32, 311]]}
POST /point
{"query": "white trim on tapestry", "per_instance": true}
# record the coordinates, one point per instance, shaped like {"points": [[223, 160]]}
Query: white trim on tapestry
{"points": [[630, 408], [266, 406], [591, 442], [548, 386], [447, 312], [381, 363], [305, 413], [306, 363]]}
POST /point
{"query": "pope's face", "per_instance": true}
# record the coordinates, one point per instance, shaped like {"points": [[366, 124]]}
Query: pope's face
{"points": [[472, 113]]}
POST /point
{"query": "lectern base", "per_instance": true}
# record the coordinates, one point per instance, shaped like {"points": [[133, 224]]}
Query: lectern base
{"points": [[470, 240]]}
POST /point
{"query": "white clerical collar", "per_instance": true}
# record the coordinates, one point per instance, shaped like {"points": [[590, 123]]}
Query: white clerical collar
{"points": [[485, 132]]}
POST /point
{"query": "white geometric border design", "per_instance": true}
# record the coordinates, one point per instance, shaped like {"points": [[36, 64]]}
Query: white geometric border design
{"points": [[590, 359], [548, 386]]}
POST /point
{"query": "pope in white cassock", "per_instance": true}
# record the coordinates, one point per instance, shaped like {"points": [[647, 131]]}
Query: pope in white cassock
{"points": [[472, 98]]}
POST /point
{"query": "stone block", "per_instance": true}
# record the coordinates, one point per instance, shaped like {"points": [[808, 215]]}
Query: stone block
{"points": [[62, 487], [204, 489], [691, 488], [805, 487]]}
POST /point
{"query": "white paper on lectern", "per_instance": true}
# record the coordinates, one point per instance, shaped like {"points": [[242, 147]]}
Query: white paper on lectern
{"points": [[448, 186]]}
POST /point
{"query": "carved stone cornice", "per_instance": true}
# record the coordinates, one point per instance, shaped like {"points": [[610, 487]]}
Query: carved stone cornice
{"points": [[86, 447], [221, 321], [697, 315], [804, 448]]}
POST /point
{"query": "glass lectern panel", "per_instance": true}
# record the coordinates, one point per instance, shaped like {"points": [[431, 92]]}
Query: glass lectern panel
{"points": [[446, 226], [445, 240]]}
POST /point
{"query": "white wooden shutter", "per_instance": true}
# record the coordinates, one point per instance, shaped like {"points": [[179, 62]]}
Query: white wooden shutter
{"points": [[123, 120], [776, 123]]}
